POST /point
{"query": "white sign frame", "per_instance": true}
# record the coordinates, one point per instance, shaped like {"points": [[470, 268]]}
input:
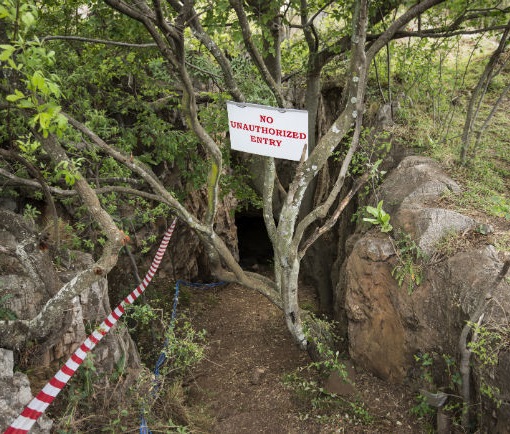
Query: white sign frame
{"points": [[269, 131]]}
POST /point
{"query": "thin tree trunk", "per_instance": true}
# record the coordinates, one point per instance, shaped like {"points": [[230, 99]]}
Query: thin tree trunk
{"points": [[292, 311], [478, 95], [288, 238], [273, 52], [312, 99], [465, 351], [488, 120]]}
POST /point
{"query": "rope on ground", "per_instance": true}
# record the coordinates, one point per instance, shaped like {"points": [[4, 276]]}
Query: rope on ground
{"points": [[45, 397], [144, 429]]}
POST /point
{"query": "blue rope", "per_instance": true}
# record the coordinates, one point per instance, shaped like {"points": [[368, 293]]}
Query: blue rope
{"points": [[144, 429]]}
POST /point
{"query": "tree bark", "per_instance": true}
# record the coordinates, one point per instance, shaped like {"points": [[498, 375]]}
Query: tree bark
{"points": [[478, 95], [288, 238]]}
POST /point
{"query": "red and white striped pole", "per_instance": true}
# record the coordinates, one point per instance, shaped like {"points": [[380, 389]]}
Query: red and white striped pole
{"points": [[45, 397]]}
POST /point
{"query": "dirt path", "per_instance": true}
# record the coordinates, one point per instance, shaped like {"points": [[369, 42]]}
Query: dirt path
{"points": [[240, 383]]}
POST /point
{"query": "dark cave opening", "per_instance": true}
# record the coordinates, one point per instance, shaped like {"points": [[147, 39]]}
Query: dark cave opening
{"points": [[255, 248]]}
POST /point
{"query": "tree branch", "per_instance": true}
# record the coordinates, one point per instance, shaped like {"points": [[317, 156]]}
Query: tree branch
{"points": [[217, 53], [173, 50], [396, 25], [336, 214], [139, 168], [268, 193], [147, 18], [360, 66], [319, 11], [488, 119], [254, 53], [16, 180], [204, 232], [439, 33], [478, 94], [42, 184], [97, 41], [14, 333]]}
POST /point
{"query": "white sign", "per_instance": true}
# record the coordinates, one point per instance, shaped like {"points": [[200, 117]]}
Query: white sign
{"points": [[269, 131]]}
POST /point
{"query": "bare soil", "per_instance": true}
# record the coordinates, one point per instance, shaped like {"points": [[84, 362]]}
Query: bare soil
{"points": [[240, 383]]}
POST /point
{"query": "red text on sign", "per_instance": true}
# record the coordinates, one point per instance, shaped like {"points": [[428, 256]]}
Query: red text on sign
{"points": [[270, 131], [265, 141]]}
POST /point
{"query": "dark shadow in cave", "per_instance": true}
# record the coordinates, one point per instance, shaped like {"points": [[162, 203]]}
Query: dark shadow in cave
{"points": [[255, 249]]}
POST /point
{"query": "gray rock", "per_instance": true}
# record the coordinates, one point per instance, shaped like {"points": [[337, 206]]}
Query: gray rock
{"points": [[15, 394], [429, 225], [387, 327], [6, 363]]}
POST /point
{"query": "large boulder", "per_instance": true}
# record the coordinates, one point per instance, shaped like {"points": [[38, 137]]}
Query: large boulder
{"points": [[389, 328]]}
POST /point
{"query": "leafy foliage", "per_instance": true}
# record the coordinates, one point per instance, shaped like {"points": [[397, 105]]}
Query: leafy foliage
{"points": [[501, 207], [31, 62], [410, 262], [487, 346], [379, 217], [438, 389]]}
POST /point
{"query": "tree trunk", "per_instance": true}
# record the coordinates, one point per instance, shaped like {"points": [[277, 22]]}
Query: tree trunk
{"points": [[272, 48], [478, 95], [312, 98], [290, 285]]}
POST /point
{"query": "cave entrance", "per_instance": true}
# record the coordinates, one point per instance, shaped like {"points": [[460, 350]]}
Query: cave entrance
{"points": [[255, 249]]}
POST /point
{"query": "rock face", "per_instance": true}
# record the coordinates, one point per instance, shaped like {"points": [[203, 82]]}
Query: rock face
{"points": [[15, 394], [28, 279], [388, 327], [407, 192]]}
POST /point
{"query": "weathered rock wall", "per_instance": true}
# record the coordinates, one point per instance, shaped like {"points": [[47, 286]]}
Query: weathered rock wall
{"points": [[387, 326], [15, 394], [28, 279]]}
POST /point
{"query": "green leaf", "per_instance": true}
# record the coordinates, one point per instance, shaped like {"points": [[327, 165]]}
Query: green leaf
{"points": [[38, 81], [61, 121], [45, 120], [28, 19], [370, 220], [386, 228], [16, 96], [3, 12], [26, 103], [7, 51], [13, 65], [372, 210], [53, 89]]}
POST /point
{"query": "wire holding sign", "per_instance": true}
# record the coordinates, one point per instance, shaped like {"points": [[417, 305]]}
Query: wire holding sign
{"points": [[282, 132]]}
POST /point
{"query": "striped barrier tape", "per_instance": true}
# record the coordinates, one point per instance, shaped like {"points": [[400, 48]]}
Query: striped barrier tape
{"points": [[45, 397]]}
